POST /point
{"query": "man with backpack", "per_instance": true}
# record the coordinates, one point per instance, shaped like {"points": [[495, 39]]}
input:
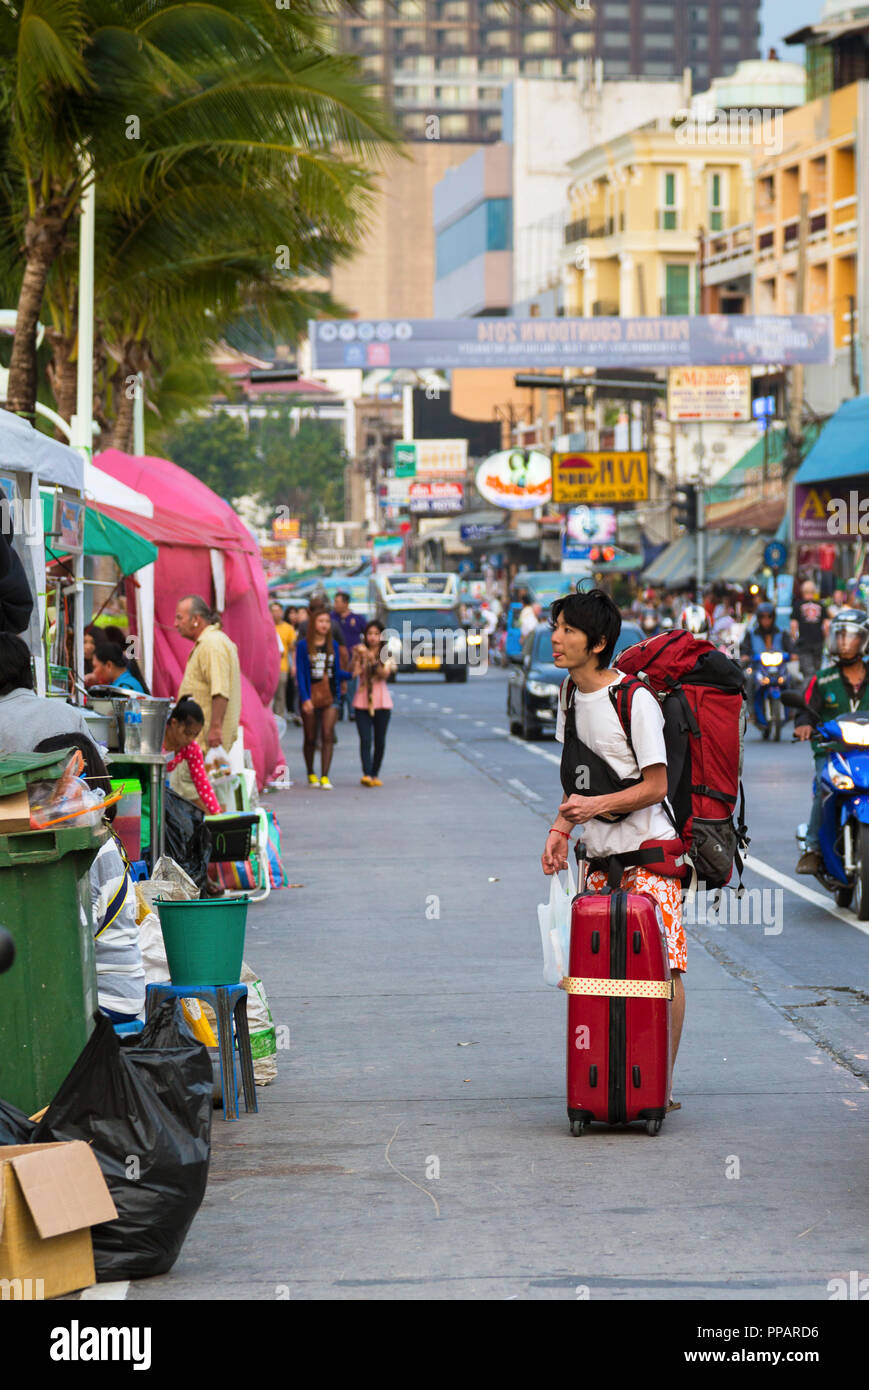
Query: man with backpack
{"points": [[618, 821], [650, 764]]}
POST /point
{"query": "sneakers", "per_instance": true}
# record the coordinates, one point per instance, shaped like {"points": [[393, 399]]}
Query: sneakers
{"points": [[326, 784], [365, 781], [313, 779], [376, 782], [809, 862]]}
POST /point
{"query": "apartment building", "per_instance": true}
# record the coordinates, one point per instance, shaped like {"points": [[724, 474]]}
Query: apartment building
{"points": [[441, 65]]}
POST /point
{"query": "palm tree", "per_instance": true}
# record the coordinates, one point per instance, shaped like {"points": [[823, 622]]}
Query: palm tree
{"points": [[233, 101]]}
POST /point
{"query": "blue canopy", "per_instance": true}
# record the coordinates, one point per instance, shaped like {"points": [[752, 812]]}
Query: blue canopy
{"points": [[842, 449]]}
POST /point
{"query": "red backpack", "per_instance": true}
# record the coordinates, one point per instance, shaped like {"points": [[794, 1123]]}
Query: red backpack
{"points": [[700, 691]]}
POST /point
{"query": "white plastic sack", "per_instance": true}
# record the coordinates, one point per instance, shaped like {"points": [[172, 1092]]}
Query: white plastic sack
{"points": [[263, 1039], [168, 880], [554, 921]]}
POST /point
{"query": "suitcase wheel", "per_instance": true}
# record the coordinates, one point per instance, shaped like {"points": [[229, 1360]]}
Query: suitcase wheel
{"points": [[578, 1127], [654, 1126]]}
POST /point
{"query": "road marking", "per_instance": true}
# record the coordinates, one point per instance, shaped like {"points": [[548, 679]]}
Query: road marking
{"points": [[474, 752], [809, 894], [117, 1290], [498, 731], [521, 787], [480, 723], [446, 709], [446, 733], [532, 748]]}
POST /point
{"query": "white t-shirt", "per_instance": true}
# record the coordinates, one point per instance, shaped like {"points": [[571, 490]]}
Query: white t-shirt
{"points": [[527, 620], [598, 726]]}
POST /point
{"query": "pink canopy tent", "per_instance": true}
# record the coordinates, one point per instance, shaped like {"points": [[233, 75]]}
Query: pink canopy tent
{"points": [[189, 522]]}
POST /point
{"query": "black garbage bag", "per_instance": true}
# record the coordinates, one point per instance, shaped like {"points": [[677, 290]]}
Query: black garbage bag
{"points": [[188, 839], [144, 1105], [15, 1126]]}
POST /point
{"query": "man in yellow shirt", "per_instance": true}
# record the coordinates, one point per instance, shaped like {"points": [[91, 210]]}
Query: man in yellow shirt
{"points": [[212, 676]]}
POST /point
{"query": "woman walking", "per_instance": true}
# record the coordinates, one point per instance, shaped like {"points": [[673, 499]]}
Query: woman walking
{"points": [[318, 675], [372, 702]]}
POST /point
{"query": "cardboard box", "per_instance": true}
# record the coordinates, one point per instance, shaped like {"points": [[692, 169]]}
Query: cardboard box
{"points": [[50, 1196], [14, 813]]}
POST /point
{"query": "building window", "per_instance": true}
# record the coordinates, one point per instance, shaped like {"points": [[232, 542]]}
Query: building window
{"points": [[677, 296], [620, 11], [651, 12], [580, 42], [654, 69], [617, 67], [668, 215], [716, 214], [487, 227], [658, 41], [411, 9], [538, 41], [697, 15], [454, 127], [619, 38], [730, 44]]}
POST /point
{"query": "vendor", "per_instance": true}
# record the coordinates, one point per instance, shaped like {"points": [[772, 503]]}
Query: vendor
{"points": [[26, 717], [110, 668], [118, 957], [187, 772]]}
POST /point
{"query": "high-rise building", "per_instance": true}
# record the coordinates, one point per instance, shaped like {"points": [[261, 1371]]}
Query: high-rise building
{"points": [[441, 64]]}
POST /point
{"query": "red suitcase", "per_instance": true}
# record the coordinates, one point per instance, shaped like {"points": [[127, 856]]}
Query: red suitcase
{"points": [[618, 1012]]}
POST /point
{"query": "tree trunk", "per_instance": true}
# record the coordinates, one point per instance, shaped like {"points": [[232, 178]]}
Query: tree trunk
{"points": [[43, 239], [63, 376], [122, 430]]}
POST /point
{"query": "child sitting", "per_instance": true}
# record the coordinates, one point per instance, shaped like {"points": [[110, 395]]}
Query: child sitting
{"points": [[188, 777]]}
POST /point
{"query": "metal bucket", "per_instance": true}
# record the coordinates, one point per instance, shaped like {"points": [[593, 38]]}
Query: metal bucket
{"points": [[103, 728], [144, 723], [104, 708]]}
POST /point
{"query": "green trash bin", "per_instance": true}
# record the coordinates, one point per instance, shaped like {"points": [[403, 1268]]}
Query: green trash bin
{"points": [[48, 998]]}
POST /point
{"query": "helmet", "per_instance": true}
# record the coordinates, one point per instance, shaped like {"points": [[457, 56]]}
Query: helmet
{"points": [[667, 623], [852, 622], [693, 619], [649, 619], [765, 610]]}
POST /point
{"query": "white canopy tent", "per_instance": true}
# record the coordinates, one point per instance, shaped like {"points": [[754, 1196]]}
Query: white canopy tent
{"points": [[29, 458]]}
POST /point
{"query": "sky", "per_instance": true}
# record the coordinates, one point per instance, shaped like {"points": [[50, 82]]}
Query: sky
{"points": [[780, 17]]}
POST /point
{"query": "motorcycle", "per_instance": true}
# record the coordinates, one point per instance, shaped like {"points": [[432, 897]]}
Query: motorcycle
{"points": [[771, 680], [844, 833]]}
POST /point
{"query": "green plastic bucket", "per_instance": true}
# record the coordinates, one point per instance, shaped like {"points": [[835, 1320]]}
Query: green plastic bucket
{"points": [[204, 940]]}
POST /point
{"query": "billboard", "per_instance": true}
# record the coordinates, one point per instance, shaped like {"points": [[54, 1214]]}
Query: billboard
{"points": [[436, 499], [515, 479], [833, 511], [585, 527], [708, 393], [430, 458], [607, 476], [673, 340]]}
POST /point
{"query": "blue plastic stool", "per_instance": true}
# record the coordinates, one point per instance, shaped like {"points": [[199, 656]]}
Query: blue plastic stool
{"points": [[229, 1003], [138, 870], [123, 1029]]}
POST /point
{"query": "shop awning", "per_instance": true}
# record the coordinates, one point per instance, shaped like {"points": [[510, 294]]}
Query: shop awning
{"points": [[673, 558], [728, 557], [841, 451], [103, 536], [27, 450]]}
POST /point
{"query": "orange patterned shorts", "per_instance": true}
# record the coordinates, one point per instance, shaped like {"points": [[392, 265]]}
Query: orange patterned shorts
{"points": [[667, 893]]}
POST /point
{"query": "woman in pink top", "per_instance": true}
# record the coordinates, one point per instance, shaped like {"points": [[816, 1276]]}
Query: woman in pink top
{"points": [[187, 773], [372, 702]]}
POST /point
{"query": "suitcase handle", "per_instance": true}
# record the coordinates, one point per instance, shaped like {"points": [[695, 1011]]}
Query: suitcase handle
{"points": [[581, 866]]}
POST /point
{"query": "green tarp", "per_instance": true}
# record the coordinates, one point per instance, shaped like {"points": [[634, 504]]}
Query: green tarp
{"points": [[103, 536]]}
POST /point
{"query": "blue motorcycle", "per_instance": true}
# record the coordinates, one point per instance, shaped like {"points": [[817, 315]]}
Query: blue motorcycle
{"points": [[844, 833], [771, 680]]}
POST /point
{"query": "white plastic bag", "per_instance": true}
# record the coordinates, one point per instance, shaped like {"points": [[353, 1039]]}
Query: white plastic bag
{"points": [[554, 921]]}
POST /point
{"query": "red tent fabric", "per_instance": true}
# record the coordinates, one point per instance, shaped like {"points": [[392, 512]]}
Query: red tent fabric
{"points": [[189, 521]]}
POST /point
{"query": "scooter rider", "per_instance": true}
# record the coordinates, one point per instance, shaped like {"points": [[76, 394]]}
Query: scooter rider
{"points": [[838, 689], [694, 618], [765, 636]]}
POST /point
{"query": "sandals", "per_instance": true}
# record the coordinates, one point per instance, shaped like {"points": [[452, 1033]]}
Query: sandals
{"points": [[674, 1105]]}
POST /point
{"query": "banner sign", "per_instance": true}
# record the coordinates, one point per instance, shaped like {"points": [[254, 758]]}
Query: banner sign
{"points": [[708, 393], [481, 530], [600, 477], [673, 340], [436, 499], [387, 553], [584, 527], [515, 479], [833, 511], [431, 458]]}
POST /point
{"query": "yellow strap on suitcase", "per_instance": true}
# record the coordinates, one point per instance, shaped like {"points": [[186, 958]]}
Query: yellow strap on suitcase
{"points": [[618, 989]]}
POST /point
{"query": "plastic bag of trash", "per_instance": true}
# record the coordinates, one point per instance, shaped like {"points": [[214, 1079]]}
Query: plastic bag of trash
{"points": [[144, 1106], [261, 1026], [188, 839], [169, 881], [15, 1126], [554, 921]]}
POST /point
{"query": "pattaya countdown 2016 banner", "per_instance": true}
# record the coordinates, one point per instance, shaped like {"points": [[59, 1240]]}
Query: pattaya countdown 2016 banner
{"points": [[698, 340]]}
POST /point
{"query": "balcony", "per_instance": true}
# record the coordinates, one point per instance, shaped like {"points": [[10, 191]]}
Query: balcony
{"points": [[585, 227], [673, 304], [605, 308], [668, 220]]}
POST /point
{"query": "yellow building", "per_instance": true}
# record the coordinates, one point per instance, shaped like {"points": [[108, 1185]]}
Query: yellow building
{"points": [[819, 158], [639, 205]]}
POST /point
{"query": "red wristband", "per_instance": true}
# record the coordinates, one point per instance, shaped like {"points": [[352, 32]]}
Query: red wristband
{"points": [[559, 832]]}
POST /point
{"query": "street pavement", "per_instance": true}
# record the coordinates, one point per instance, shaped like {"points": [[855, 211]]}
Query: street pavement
{"points": [[415, 1144]]}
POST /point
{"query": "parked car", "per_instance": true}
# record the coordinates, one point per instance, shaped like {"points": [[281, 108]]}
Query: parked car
{"points": [[532, 690]]}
